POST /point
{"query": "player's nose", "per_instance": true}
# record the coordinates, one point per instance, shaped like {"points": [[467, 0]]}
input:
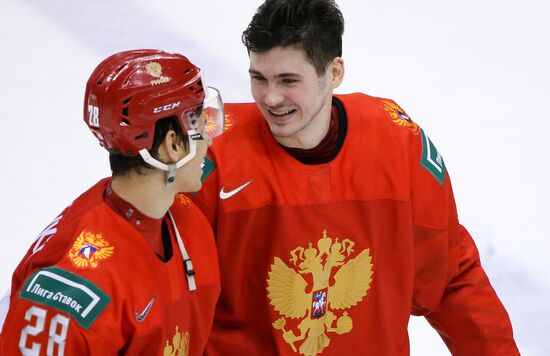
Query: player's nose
{"points": [[273, 97]]}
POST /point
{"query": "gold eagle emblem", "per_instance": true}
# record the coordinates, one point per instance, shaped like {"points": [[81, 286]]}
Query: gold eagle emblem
{"points": [[399, 116], [329, 291], [154, 69], [88, 249], [179, 345]]}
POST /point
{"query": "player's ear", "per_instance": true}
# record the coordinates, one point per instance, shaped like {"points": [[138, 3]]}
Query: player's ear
{"points": [[171, 149], [336, 71]]}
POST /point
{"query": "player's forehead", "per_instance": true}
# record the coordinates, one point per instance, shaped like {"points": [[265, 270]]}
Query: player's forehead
{"points": [[280, 62]]}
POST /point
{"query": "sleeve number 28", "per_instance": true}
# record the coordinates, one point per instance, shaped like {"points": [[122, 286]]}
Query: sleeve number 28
{"points": [[57, 333]]}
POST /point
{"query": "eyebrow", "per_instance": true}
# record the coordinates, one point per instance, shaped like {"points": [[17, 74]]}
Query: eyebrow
{"points": [[282, 75]]}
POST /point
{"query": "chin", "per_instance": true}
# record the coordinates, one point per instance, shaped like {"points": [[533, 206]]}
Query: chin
{"points": [[282, 130], [195, 187], [189, 187], [199, 186]]}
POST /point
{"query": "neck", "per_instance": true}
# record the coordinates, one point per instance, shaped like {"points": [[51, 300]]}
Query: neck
{"points": [[147, 193]]}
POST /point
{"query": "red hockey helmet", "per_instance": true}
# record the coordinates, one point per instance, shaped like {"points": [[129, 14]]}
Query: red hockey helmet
{"points": [[130, 91]]}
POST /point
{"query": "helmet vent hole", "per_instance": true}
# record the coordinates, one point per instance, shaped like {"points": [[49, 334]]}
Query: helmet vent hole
{"points": [[119, 69], [186, 71], [143, 135], [99, 82], [196, 88], [125, 106], [125, 122]]}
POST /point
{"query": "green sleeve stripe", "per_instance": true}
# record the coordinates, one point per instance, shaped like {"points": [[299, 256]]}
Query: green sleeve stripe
{"points": [[209, 166], [67, 292], [431, 160]]}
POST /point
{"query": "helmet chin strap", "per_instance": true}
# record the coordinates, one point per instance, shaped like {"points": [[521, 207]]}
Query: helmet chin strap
{"points": [[170, 169]]}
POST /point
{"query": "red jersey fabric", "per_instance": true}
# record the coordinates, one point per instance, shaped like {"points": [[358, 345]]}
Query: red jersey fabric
{"points": [[91, 284], [148, 227], [332, 259]]}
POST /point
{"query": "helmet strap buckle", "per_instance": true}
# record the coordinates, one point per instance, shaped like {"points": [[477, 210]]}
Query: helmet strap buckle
{"points": [[171, 174]]}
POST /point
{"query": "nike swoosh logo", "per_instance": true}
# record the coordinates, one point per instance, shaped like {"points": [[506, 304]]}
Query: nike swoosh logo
{"points": [[141, 316], [229, 194]]}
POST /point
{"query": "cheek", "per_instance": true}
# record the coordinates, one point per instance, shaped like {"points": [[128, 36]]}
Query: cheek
{"points": [[256, 91], [202, 148], [299, 95]]}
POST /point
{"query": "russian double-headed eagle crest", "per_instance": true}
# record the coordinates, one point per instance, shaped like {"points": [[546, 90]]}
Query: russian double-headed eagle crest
{"points": [[399, 116], [89, 249], [336, 280], [179, 345], [154, 69]]}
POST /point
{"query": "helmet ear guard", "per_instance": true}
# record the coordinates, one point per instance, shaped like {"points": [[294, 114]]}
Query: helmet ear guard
{"points": [[130, 91]]}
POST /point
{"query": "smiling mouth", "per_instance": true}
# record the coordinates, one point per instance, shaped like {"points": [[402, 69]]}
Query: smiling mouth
{"points": [[281, 114]]}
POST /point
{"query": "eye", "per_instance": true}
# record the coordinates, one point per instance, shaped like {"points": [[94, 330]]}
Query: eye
{"points": [[258, 78], [289, 81]]}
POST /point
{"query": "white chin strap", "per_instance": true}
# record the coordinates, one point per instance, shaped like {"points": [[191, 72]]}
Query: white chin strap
{"points": [[170, 169]]}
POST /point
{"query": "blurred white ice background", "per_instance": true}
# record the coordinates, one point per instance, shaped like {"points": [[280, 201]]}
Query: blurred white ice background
{"points": [[474, 74]]}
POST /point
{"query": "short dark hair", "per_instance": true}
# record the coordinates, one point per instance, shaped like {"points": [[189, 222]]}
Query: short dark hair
{"points": [[315, 25], [121, 164]]}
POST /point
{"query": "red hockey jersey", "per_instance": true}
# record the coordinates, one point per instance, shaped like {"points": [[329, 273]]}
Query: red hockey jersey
{"points": [[91, 284], [332, 259]]}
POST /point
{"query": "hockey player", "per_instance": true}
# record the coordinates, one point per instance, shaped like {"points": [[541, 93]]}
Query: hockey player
{"points": [[334, 216], [130, 267]]}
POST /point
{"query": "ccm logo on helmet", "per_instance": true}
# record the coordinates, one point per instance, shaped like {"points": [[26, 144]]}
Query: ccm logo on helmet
{"points": [[166, 107]]}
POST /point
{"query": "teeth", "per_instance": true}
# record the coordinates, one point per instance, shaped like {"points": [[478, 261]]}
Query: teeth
{"points": [[281, 113]]}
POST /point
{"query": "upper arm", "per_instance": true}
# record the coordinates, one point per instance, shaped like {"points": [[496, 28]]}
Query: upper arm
{"points": [[55, 312], [451, 288]]}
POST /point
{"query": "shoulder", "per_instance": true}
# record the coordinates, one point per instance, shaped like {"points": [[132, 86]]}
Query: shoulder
{"points": [[401, 141], [382, 127], [246, 109], [69, 266], [379, 113], [51, 244], [245, 133], [386, 123], [72, 242], [74, 225], [241, 120], [52, 279]]}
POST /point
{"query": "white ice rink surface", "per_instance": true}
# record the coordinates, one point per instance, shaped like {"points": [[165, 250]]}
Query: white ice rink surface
{"points": [[474, 74]]}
